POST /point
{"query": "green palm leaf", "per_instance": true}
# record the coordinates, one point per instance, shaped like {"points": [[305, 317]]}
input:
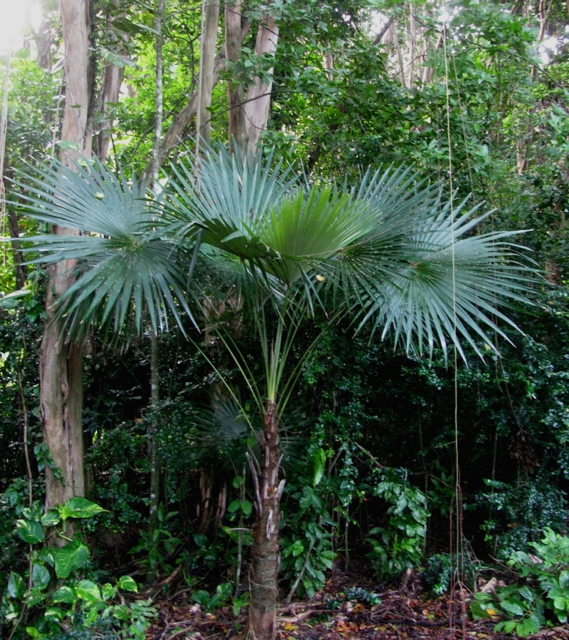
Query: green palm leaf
{"points": [[125, 269], [390, 253]]}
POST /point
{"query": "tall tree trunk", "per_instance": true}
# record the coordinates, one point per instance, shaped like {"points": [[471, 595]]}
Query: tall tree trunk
{"points": [[234, 89], [412, 44], [152, 442], [17, 254], [210, 9], [258, 99], [177, 131], [111, 83], [61, 390], [154, 344], [266, 556]]}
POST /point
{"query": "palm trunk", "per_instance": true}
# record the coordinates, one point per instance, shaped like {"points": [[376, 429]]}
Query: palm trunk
{"points": [[266, 557]]}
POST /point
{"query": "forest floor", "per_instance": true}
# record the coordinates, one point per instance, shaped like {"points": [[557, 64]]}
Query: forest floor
{"points": [[404, 613]]}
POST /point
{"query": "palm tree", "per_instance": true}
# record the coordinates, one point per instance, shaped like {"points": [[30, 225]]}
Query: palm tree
{"points": [[389, 253]]}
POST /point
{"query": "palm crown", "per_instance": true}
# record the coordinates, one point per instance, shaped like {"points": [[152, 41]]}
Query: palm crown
{"points": [[389, 252]]}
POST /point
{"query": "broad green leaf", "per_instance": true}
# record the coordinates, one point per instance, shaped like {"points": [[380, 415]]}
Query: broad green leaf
{"points": [[528, 627], [33, 632], [527, 593], [233, 506], [560, 603], [297, 548], [30, 531], [126, 583], [51, 518], [73, 555], [509, 626], [40, 576], [246, 507], [564, 579], [54, 613], [108, 591], [65, 594], [121, 612], [79, 508], [319, 460], [512, 607], [16, 586], [88, 591], [35, 596], [47, 555]]}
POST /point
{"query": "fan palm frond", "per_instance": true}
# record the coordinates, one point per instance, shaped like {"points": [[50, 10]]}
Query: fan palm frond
{"points": [[122, 267]]}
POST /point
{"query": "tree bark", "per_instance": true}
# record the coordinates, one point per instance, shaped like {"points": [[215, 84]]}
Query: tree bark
{"points": [[152, 442], [111, 83], [262, 623], [61, 390], [20, 270], [154, 344], [258, 99], [234, 89], [210, 10]]}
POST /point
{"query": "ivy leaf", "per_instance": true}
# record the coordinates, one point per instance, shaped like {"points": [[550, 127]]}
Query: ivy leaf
{"points": [[121, 612], [233, 506], [65, 595], [55, 614], [79, 508], [51, 518], [319, 459], [40, 576], [70, 557], [30, 531], [88, 591], [16, 586], [126, 583], [108, 591]]}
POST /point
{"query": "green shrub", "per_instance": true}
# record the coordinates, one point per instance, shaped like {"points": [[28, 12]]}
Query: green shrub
{"points": [[540, 597], [399, 544], [54, 596]]}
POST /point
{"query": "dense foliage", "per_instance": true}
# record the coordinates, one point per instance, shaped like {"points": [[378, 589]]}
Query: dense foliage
{"points": [[385, 453]]}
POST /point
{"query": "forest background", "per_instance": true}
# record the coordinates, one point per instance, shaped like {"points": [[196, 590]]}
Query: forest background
{"points": [[386, 453]]}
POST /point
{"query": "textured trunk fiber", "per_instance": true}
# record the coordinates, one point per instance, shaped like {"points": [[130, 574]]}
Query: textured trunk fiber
{"points": [[61, 390], [266, 558], [259, 94]]}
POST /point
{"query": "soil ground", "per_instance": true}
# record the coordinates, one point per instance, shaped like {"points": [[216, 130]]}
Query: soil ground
{"points": [[404, 613]]}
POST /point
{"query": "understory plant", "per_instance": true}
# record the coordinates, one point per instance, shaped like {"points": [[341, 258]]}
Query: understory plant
{"points": [[55, 597], [399, 543], [540, 597]]}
